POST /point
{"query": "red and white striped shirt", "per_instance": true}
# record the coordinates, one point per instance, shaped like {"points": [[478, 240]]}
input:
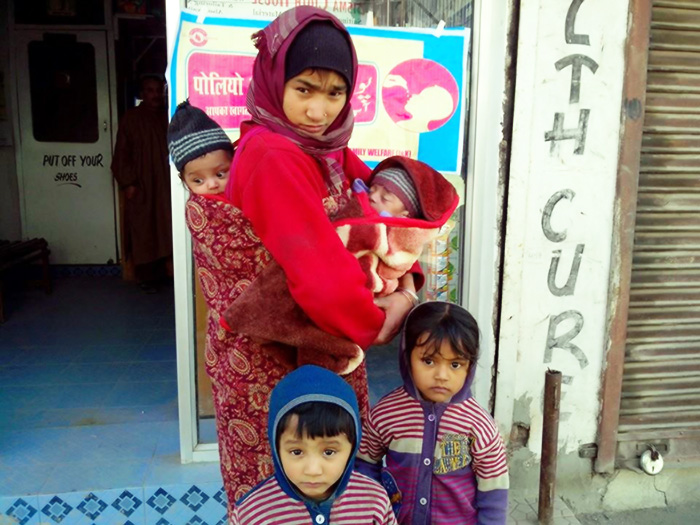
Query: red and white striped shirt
{"points": [[363, 502]]}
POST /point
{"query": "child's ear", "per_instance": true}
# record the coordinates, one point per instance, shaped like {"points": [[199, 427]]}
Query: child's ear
{"points": [[403, 213]]}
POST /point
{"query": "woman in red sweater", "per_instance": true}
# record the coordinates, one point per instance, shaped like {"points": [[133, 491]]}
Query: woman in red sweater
{"points": [[291, 173]]}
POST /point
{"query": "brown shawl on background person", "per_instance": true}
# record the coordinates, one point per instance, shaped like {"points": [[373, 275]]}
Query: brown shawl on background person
{"points": [[141, 159], [386, 248]]}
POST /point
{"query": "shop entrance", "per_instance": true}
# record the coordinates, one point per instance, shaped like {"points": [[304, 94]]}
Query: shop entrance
{"points": [[66, 188]]}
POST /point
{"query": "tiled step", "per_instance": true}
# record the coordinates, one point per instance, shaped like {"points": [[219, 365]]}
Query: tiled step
{"points": [[203, 503]]}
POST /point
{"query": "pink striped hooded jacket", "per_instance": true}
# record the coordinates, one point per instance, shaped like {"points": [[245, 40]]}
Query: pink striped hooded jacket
{"points": [[446, 462]]}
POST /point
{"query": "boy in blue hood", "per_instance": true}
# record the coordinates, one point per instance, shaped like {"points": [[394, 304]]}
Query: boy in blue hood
{"points": [[314, 432], [445, 459]]}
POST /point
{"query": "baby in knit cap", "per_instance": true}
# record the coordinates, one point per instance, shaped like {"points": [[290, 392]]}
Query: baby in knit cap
{"points": [[391, 193], [200, 149]]}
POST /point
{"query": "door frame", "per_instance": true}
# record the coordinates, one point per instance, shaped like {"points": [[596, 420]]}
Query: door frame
{"points": [[108, 29], [490, 118], [634, 89]]}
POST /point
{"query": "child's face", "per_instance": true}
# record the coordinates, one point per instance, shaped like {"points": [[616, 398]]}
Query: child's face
{"points": [[382, 199], [313, 99], [313, 465], [207, 175], [439, 376]]}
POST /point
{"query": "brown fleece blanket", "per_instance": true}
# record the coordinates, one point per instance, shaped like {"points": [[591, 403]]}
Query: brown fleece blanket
{"points": [[385, 247]]}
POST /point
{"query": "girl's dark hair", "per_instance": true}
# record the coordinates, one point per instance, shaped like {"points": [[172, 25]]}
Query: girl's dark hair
{"points": [[318, 419], [442, 322]]}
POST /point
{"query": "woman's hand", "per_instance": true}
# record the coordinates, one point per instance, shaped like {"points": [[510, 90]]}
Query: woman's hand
{"points": [[396, 306]]}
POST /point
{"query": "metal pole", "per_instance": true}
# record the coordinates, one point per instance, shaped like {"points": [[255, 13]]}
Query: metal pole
{"points": [[550, 438]]}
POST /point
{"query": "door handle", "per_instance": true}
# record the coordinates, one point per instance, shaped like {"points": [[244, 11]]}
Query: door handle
{"points": [[104, 125]]}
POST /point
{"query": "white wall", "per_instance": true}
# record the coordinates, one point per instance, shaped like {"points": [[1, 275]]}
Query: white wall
{"points": [[558, 325]]}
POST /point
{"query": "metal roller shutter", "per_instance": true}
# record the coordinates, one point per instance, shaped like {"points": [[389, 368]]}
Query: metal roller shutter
{"points": [[661, 383]]}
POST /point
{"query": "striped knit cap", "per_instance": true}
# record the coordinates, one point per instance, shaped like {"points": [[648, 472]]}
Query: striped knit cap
{"points": [[192, 133], [398, 182]]}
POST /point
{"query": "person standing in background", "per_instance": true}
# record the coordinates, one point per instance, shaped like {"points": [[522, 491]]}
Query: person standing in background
{"points": [[140, 166]]}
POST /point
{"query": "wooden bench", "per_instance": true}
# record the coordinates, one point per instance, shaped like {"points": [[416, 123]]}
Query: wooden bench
{"points": [[17, 253]]}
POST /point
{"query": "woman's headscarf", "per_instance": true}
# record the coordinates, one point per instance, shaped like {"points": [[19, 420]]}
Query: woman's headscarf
{"points": [[265, 94]]}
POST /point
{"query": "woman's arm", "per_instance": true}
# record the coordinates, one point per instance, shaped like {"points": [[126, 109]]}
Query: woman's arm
{"points": [[280, 190]]}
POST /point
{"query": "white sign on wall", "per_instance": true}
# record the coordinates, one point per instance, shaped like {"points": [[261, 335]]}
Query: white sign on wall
{"points": [[560, 206], [347, 12], [409, 95]]}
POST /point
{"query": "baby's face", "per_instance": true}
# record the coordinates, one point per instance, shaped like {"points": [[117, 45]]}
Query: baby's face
{"points": [[208, 174], [382, 199]]}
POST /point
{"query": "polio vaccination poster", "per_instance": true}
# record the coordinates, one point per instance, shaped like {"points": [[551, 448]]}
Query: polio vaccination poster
{"points": [[409, 99]]}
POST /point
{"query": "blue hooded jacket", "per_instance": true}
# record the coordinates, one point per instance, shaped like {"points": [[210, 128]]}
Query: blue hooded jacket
{"points": [[306, 384]]}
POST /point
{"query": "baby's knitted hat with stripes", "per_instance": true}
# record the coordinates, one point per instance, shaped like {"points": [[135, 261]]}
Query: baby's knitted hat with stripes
{"points": [[192, 133]]}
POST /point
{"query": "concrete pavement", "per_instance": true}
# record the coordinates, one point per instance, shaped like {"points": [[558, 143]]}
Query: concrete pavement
{"points": [[679, 515], [523, 511]]}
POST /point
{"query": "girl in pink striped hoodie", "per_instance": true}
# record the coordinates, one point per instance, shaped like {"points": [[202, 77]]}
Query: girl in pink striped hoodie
{"points": [[445, 459]]}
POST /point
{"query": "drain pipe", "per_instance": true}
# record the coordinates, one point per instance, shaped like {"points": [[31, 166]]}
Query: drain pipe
{"points": [[550, 438]]}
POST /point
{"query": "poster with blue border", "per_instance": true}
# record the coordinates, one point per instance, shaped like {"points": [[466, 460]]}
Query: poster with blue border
{"points": [[410, 96]]}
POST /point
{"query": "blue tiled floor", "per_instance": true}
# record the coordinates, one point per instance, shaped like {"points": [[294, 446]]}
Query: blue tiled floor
{"points": [[88, 409], [97, 351]]}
